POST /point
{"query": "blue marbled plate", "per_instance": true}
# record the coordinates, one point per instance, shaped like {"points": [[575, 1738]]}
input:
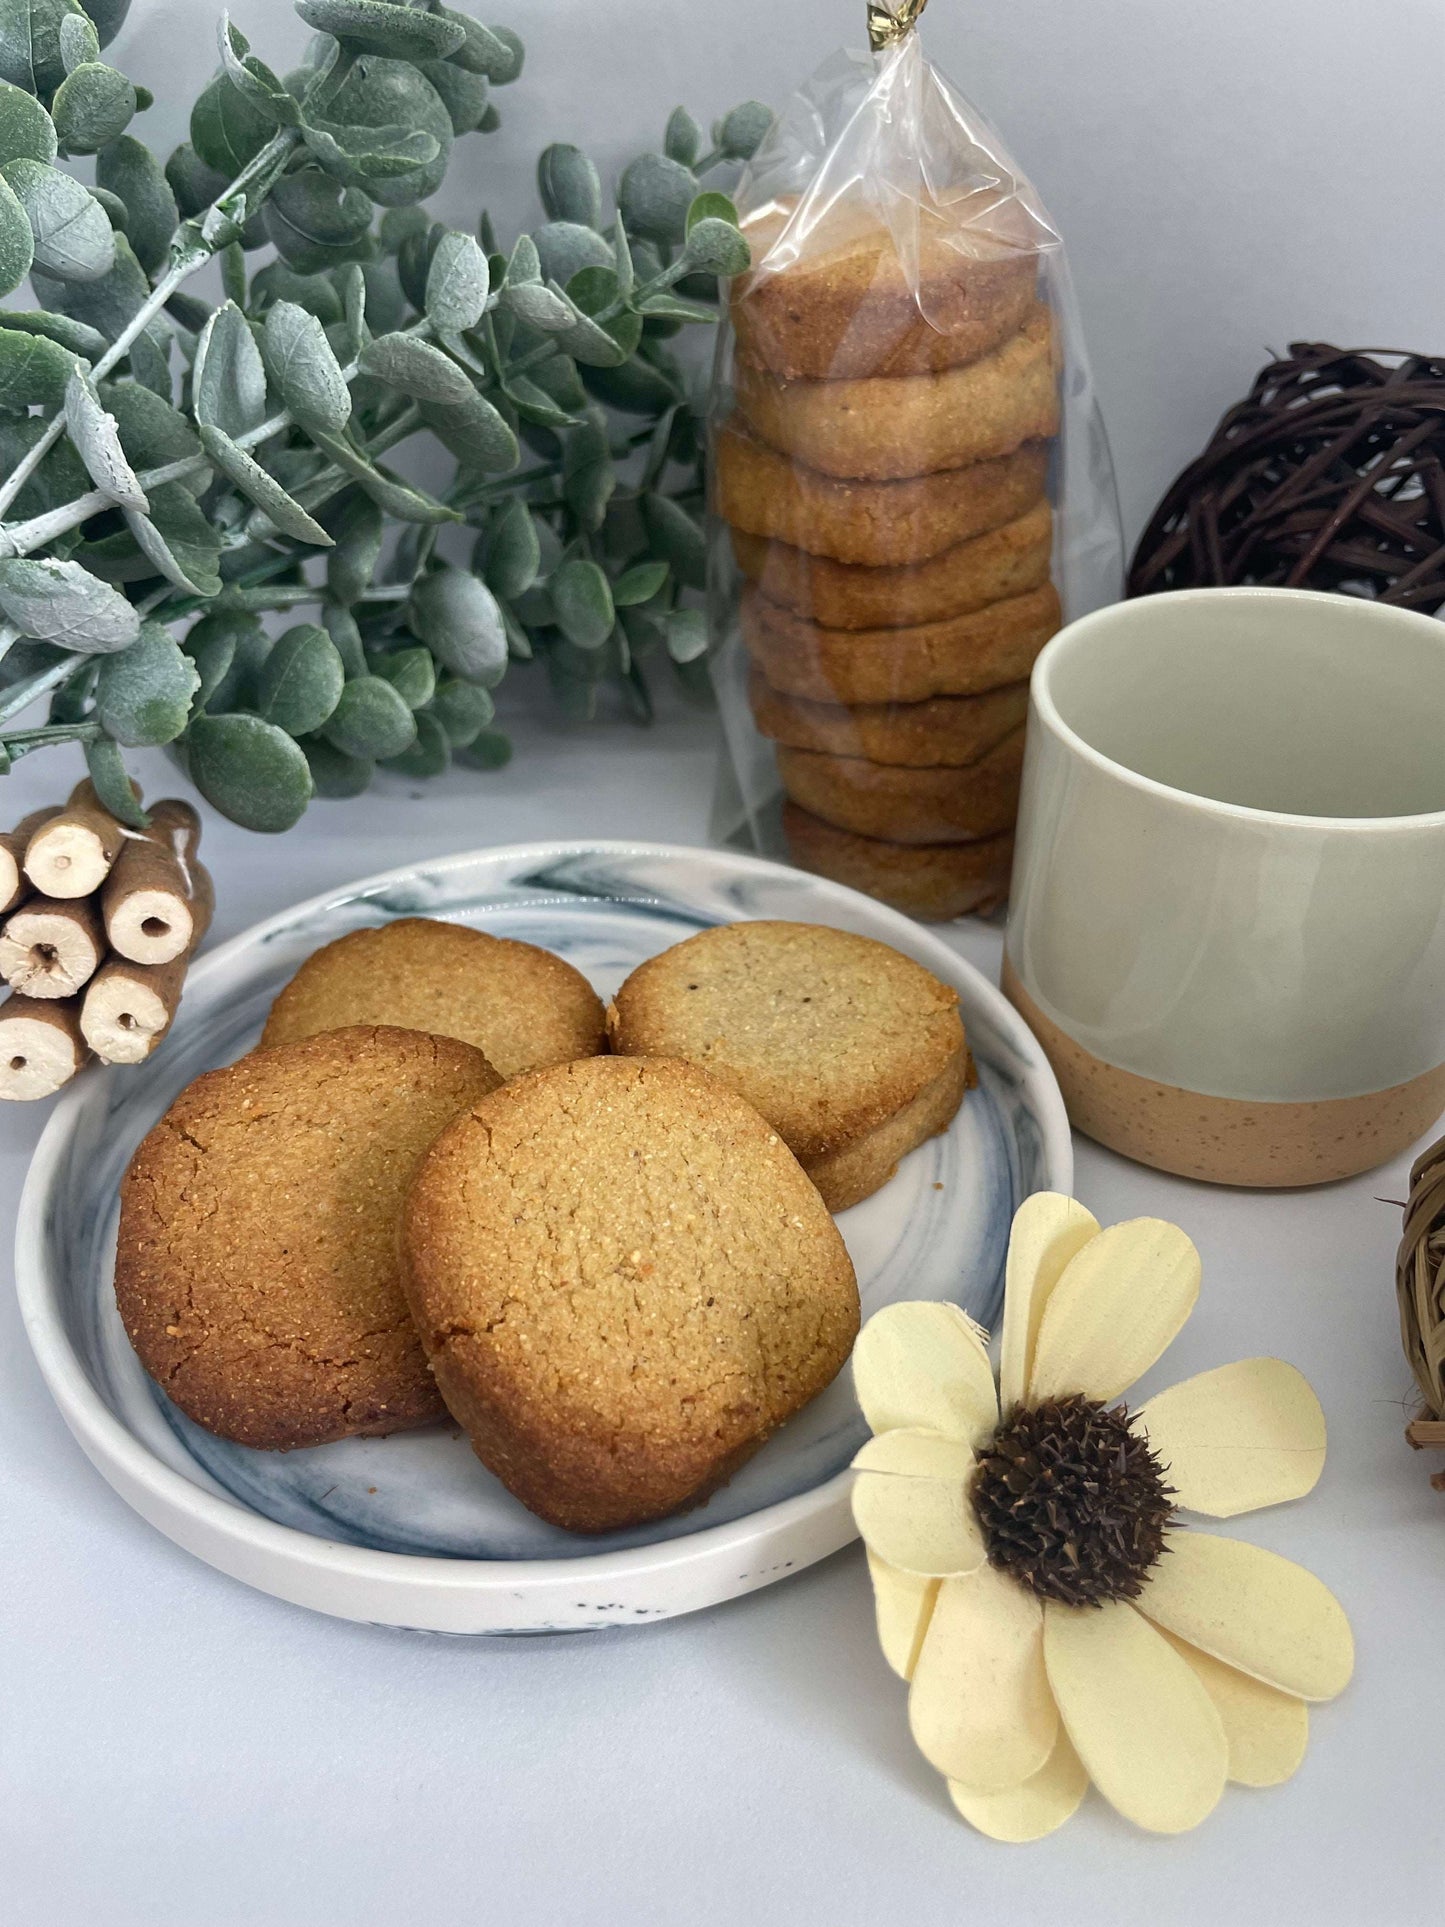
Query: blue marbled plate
{"points": [[418, 1509]]}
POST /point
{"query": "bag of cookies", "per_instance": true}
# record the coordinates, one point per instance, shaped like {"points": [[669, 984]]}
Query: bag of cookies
{"points": [[911, 487]]}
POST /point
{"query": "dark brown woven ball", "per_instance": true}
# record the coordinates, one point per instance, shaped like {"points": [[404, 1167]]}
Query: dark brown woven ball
{"points": [[1330, 474], [1420, 1282]]}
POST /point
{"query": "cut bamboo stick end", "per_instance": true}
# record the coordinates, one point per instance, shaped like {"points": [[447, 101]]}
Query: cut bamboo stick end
{"points": [[15, 886], [157, 901], [71, 854], [128, 1008], [41, 1046], [50, 948]]}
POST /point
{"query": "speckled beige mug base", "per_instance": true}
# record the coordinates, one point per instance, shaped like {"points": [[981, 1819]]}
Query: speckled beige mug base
{"points": [[1226, 1140]]}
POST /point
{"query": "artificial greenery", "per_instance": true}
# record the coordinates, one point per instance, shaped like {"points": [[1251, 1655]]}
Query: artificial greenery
{"points": [[173, 461]]}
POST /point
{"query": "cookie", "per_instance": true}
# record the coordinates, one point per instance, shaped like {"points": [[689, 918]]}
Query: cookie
{"points": [[853, 1052], [256, 1266], [996, 567], [932, 881], [959, 656], [880, 524], [850, 305], [954, 730], [902, 805], [520, 1005], [625, 1284], [885, 429]]}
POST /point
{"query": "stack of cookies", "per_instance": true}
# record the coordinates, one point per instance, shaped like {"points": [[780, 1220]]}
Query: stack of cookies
{"points": [[884, 472]]}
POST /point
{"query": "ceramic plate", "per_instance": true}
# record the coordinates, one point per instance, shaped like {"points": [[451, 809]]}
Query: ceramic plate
{"points": [[411, 1530]]}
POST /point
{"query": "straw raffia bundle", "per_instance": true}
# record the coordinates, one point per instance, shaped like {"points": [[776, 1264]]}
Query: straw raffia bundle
{"points": [[1420, 1278]]}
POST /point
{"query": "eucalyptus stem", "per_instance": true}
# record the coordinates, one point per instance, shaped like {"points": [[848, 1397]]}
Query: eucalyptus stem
{"points": [[28, 739], [27, 692]]}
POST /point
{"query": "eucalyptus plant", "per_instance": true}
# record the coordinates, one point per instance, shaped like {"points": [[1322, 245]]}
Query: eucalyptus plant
{"points": [[176, 470]]}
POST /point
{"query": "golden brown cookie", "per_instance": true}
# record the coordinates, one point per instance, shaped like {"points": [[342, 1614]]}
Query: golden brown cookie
{"points": [[835, 1038], [959, 656], [879, 524], [256, 1267], [850, 305], [1005, 563], [885, 429], [520, 1005], [954, 730], [932, 881], [908, 805], [625, 1284]]}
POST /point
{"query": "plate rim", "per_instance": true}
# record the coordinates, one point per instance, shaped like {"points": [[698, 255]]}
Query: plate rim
{"points": [[111, 1446]]}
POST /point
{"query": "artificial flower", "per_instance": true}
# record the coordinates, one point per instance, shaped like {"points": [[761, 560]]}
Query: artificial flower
{"points": [[1033, 1583]]}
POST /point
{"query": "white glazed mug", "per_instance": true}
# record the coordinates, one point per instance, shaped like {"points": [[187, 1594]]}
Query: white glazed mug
{"points": [[1227, 920]]}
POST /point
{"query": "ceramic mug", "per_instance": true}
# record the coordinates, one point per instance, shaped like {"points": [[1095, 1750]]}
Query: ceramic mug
{"points": [[1227, 920]]}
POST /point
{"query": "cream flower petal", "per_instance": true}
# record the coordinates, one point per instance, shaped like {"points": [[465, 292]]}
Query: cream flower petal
{"points": [[1039, 1806], [980, 1707], [1139, 1718], [903, 1604], [1118, 1304], [1254, 1610], [1048, 1229], [1240, 1437], [1267, 1731], [911, 1503], [925, 1364]]}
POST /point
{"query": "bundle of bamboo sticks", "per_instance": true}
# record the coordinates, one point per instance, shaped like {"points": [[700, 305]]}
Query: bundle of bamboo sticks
{"points": [[99, 925]]}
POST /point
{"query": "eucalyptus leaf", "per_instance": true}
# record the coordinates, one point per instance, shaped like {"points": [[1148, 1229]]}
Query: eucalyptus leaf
{"points": [[533, 404], [306, 373], [676, 536], [108, 16], [194, 184], [27, 132], [60, 328], [149, 356], [178, 539], [342, 627], [654, 196], [152, 433], [143, 696], [371, 720], [489, 751], [364, 156], [228, 647], [514, 552], [664, 305], [30, 42], [300, 682], [112, 784], [227, 130], [417, 369], [564, 248], [494, 52], [381, 27], [63, 603], [714, 246], [97, 441], [683, 139], [457, 284], [93, 104], [546, 309], [261, 488], [475, 432], [316, 293], [686, 631], [351, 564], [411, 673], [600, 344], [466, 96], [588, 477], [639, 583], [351, 287], [583, 603], [129, 170], [79, 42], [335, 774], [457, 617], [463, 709], [392, 496], [740, 133], [525, 265], [253, 78], [228, 383], [429, 753], [383, 94], [250, 770], [73, 239], [316, 221], [636, 387], [33, 371], [17, 244], [107, 304]]}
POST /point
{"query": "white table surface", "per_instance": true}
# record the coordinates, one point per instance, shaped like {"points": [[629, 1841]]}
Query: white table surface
{"points": [[178, 1751]]}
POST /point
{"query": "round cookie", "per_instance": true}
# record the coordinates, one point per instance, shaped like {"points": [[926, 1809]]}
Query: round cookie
{"points": [[957, 656], [884, 429], [256, 1266], [951, 730], [931, 881], [879, 524], [853, 1052], [996, 567], [848, 305], [901, 805], [625, 1284], [521, 1006]]}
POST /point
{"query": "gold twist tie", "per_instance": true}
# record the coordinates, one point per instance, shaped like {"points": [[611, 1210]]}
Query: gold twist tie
{"points": [[889, 21]]}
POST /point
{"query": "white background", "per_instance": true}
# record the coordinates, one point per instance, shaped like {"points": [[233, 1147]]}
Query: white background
{"points": [[176, 1751]]}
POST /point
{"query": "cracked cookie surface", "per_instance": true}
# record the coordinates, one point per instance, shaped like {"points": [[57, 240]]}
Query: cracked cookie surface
{"points": [[625, 1284], [256, 1265]]}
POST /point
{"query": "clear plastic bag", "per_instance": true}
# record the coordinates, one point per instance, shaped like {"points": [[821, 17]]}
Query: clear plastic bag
{"points": [[910, 484]]}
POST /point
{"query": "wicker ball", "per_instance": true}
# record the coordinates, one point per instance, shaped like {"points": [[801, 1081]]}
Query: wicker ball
{"points": [[1330, 474], [1420, 1280]]}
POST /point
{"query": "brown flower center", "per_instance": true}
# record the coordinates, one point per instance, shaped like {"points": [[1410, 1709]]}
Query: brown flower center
{"points": [[1072, 1502]]}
